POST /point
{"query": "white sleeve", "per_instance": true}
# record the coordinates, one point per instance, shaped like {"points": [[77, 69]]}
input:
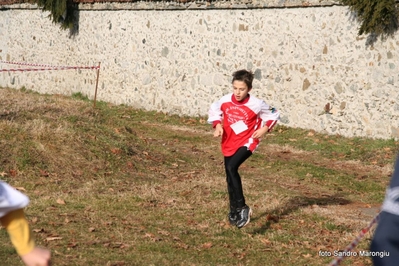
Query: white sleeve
{"points": [[269, 114], [215, 113], [11, 199]]}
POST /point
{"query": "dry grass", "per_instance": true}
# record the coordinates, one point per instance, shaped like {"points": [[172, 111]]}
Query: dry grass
{"points": [[117, 186]]}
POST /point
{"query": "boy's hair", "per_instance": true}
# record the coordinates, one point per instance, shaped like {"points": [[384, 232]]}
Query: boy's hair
{"points": [[245, 76]]}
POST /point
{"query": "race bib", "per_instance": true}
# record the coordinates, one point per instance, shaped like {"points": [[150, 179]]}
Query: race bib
{"points": [[239, 127]]}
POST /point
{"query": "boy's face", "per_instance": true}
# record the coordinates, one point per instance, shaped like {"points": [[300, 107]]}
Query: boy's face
{"points": [[240, 90]]}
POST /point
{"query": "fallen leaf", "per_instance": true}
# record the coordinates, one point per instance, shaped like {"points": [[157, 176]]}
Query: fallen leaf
{"points": [[265, 241], [60, 201], [241, 256], [207, 245], [182, 245], [163, 232], [77, 173], [118, 245], [148, 235], [43, 173], [52, 238], [116, 151], [13, 172], [72, 245]]}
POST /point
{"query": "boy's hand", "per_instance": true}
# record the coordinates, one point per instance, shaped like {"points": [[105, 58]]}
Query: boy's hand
{"points": [[260, 132], [218, 131], [37, 257]]}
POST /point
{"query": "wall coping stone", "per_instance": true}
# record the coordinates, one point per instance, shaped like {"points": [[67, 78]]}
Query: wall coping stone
{"points": [[185, 5]]}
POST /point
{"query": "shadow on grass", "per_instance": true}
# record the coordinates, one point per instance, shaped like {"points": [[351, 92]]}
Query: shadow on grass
{"points": [[294, 204], [8, 116]]}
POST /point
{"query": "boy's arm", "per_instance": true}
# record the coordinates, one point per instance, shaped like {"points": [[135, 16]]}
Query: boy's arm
{"points": [[215, 118], [270, 124], [218, 130], [21, 237], [269, 116], [12, 217], [215, 123], [215, 114], [18, 229]]}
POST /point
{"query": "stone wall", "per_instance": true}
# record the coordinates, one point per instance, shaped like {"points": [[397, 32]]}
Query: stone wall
{"points": [[306, 57]]}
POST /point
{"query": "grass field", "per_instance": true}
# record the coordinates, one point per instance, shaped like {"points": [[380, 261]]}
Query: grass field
{"points": [[113, 185]]}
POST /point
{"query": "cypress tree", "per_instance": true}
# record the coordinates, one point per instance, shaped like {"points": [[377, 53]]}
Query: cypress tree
{"points": [[378, 17], [61, 11]]}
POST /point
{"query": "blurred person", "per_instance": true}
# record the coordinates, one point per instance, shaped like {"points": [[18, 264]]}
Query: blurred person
{"points": [[12, 218], [384, 246]]}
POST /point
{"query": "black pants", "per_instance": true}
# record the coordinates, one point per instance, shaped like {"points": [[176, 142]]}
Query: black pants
{"points": [[385, 242], [234, 185]]}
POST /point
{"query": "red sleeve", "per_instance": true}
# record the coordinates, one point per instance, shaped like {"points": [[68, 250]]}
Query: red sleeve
{"points": [[270, 124], [215, 123]]}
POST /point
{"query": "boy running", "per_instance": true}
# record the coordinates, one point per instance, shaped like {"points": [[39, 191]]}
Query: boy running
{"points": [[241, 120]]}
